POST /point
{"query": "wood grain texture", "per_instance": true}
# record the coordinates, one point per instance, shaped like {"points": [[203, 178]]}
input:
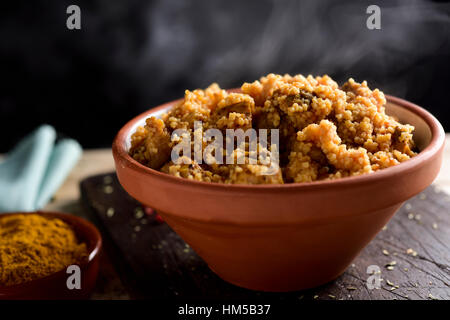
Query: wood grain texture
{"points": [[412, 252], [96, 161]]}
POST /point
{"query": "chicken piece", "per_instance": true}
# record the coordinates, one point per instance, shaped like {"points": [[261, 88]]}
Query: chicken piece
{"points": [[196, 106], [233, 112], [325, 137], [150, 145], [306, 163], [361, 90], [403, 139]]}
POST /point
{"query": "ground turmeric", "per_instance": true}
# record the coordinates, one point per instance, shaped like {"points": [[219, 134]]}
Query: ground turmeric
{"points": [[34, 246]]}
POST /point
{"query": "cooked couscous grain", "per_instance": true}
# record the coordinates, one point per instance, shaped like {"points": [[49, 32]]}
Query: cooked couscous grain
{"points": [[326, 131]]}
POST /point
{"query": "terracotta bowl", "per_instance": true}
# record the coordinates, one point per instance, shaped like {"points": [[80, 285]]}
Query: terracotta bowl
{"points": [[283, 237], [54, 286]]}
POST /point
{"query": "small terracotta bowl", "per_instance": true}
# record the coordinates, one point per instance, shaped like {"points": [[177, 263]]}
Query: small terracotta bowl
{"points": [[283, 237], [54, 286]]}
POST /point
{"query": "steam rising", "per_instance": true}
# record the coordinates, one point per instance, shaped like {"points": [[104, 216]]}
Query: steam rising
{"points": [[132, 55], [232, 42]]}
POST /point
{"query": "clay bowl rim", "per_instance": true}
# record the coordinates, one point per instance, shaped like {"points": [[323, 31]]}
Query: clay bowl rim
{"points": [[437, 141], [94, 246]]}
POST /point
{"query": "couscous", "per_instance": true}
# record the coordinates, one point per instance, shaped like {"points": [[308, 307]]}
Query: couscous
{"points": [[326, 131]]}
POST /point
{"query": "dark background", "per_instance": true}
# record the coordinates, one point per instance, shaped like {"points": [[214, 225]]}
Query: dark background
{"points": [[132, 55]]}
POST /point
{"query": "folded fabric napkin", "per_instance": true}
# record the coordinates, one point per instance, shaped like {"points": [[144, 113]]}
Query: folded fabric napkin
{"points": [[33, 171]]}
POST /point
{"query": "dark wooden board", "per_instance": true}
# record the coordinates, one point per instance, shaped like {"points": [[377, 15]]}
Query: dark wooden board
{"points": [[154, 262]]}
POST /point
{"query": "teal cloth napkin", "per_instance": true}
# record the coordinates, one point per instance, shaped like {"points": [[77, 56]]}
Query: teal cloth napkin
{"points": [[33, 171]]}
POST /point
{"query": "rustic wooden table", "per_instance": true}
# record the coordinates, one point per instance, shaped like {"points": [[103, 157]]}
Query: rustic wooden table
{"points": [[100, 161]]}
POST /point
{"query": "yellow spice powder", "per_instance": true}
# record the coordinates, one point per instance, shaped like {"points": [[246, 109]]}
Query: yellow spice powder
{"points": [[33, 246]]}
